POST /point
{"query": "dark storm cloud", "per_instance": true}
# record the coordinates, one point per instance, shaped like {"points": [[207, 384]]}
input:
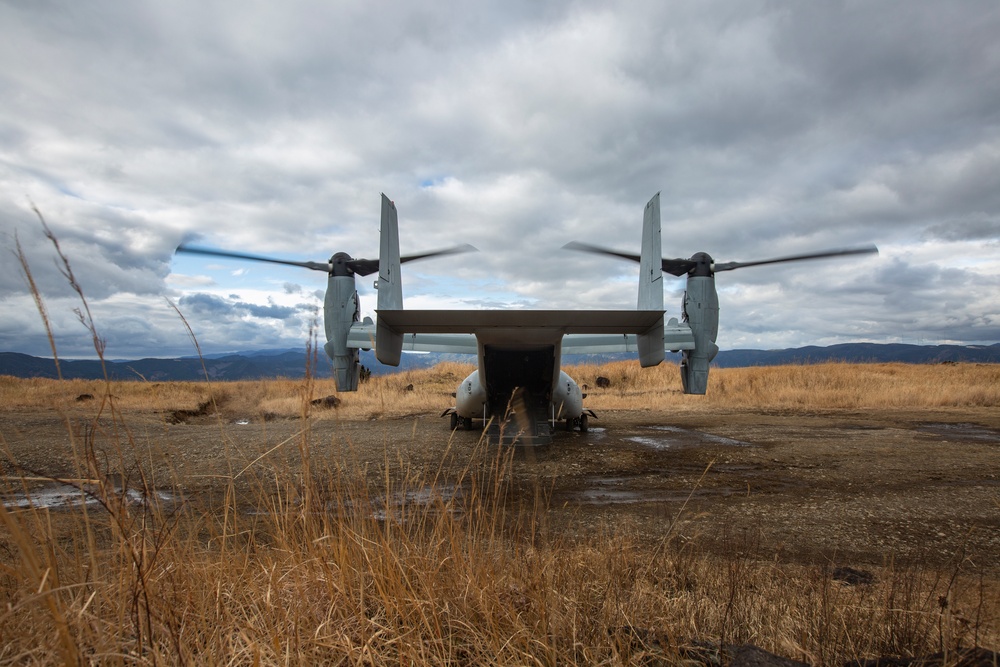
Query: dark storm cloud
{"points": [[270, 311], [206, 304], [209, 304]]}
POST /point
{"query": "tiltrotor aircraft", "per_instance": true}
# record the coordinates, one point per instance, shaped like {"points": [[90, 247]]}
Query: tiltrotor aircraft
{"points": [[519, 388]]}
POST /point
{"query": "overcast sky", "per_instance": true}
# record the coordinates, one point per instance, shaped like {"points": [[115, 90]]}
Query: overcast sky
{"points": [[769, 128]]}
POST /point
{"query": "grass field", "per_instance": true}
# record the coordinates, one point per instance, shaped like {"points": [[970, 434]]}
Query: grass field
{"points": [[323, 571], [816, 387]]}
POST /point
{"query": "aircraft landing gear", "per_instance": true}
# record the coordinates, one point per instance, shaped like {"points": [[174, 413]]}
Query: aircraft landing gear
{"points": [[457, 420], [581, 422]]}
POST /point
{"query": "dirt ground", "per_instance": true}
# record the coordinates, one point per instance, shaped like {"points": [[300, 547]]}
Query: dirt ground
{"points": [[844, 487]]}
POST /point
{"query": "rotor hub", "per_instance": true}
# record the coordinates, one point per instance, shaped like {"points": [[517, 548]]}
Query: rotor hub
{"points": [[340, 264], [704, 265]]}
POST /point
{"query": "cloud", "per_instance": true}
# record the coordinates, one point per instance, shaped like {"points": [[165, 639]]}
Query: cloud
{"points": [[978, 228], [768, 129], [206, 304], [270, 311]]}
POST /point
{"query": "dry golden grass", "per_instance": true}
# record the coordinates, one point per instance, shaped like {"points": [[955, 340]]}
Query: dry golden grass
{"points": [[328, 569], [454, 582], [818, 387]]}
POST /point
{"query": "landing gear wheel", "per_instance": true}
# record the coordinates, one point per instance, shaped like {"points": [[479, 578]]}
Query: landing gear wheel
{"points": [[454, 421], [583, 423], [467, 423], [569, 423]]}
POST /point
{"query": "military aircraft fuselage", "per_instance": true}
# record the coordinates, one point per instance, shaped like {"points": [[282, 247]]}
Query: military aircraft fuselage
{"points": [[527, 374]]}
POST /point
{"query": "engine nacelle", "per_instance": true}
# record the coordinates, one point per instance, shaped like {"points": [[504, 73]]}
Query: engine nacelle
{"points": [[701, 312], [341, 310], [567, 397], [470, 398]]}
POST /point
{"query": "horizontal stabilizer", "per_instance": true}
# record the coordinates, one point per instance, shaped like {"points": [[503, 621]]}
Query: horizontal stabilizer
{"points": [[363, 336], [565, 321], [676, 336], [520, 327]]}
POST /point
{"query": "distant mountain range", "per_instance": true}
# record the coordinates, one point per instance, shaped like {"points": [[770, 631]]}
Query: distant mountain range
{"points": [[292, 363], [862, 353], [236, 366]]}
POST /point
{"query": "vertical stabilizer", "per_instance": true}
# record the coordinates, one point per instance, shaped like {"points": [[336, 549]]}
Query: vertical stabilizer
{"points": [[650, 274], [389, 343], [390, 290], [650, 343]]}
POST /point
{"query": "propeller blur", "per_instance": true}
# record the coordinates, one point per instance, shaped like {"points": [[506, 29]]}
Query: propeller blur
{"points": [[518, 391]]}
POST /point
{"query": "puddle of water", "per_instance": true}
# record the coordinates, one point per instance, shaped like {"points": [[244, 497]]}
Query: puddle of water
{"points": [[655, 443], [66, 496], [60, 496], [400, 506], [962, 431], [427, 496], [609, 497], [604, 491], [675, 436], [396, 507]]}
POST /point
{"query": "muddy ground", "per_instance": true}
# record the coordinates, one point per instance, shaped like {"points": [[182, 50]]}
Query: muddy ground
{"points": [[844, 487]]}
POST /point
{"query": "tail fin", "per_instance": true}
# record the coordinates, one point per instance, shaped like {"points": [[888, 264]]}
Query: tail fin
{"points": [[390, 289], [650, 343], [389, 343], [650, 275]]}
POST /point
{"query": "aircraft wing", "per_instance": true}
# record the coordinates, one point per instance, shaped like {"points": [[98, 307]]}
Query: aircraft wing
{"points": [[675, 337], [363, 336]]}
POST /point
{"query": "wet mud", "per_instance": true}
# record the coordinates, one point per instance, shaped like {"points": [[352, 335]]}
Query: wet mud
{"points": [[835, 486]]}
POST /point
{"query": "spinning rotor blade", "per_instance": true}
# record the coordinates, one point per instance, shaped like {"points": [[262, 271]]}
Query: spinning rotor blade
{"points": [[194, 250], [675, 267], [598, 250], [361, 267], [364, 267], [679, 267], [843, 252], [456, 250]]}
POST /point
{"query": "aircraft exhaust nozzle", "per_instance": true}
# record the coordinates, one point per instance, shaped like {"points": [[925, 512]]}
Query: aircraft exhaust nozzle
{"points": [[346, 368]]}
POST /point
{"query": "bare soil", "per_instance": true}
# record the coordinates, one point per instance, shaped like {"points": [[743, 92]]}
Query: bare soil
{"points": [[843, 487]]}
